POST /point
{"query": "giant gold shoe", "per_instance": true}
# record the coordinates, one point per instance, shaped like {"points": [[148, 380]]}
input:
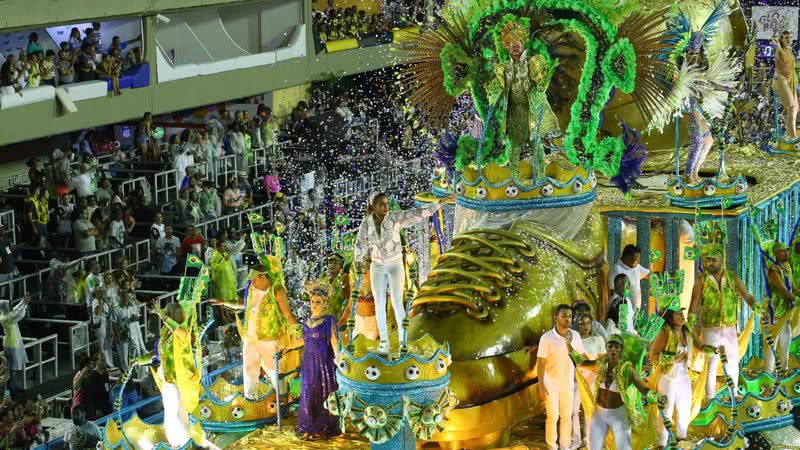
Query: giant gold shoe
{"points": [[490, 296]]}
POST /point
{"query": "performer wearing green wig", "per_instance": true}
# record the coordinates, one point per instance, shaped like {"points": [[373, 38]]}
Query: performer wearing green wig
{"points": [[267, 320]]}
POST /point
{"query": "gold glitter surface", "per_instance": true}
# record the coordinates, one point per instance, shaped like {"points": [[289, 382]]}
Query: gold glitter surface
{"points": [[783, 439], [772, 173]]}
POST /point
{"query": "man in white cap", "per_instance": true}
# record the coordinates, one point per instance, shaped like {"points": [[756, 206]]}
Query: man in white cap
{"points": [[12, 339]]}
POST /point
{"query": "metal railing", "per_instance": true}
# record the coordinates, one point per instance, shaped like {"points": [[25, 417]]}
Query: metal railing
{"points": [[238, 218], [38, 362], [138, 253], [165, 186], [129, 185], [78, 335], [225, 168], [7, 219], [13, 181]]}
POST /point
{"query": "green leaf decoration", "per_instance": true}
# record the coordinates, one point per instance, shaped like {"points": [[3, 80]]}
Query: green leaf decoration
{"points": [[655, 256]]}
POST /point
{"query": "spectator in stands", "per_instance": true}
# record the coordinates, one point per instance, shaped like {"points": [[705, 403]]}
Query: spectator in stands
{"points": [[23, 67], [232, 198], [91, 204], [32, 424], [93, 281], [82, 183], [121, 317], [223, 277], [133, 58], [75, 41], [110, 68], [182, 208], [247, 189], [192, 243], [12, 431], [7, 268], [66, 65], [35, 224], [210, 203], [99, 317], [9, 76], [85, 233], [36, 172], [79, 391], [83, 434], [13, 346], [136, 346], [156, 229], [183, 159], [97, 37], [269, 127], [117, 197], [168, 247], [35, 70], [48, 68], [104, 192], [143, 136], [117, 231], [237, 142], [124, 276], [193, 209], [64, 211], [33, 44], [87, 64]]}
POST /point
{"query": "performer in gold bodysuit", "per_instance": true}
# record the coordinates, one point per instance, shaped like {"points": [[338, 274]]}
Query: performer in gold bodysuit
{"points": [[785, 83]]}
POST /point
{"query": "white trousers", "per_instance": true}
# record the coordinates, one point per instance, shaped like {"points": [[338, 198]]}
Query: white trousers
{"points": [[727, 338], [367, 326], [781, 347], [559, 404], [105, 343], [392, 275], [138, 348], [176, 419], [678, 389], [258, 355], [615, 420]]}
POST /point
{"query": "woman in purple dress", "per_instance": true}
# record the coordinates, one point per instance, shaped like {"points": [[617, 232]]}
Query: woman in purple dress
{"points": [[318, 369]]}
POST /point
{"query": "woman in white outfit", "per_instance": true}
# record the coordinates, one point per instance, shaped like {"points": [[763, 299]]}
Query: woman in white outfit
{"points": [[100, 311], [13, 345], [138, 347], [594, 346], [378, 244], [673, 350]]}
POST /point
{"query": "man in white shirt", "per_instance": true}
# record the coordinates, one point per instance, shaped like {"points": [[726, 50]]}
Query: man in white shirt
{"points": [[560, 349], [169, 248], [85, 234], [156, 232], [82, 183], [628, 264]]}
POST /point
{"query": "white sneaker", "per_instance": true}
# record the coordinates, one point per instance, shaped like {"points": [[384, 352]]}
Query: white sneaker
{"points": [[383, 348]]}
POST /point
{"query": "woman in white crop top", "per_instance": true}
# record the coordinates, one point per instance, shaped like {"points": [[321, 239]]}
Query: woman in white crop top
{"points": [[672, 352], [613, 409]]}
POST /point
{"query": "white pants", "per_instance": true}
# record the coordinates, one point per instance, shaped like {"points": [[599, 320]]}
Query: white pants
{"points": [[138, 347], [392, 275], [728, 339], [678, 389], [258, 355], [614, 419], [122, 356], [176, 419], [559, 404], [367, 326], [781, 348], [105, 343]]}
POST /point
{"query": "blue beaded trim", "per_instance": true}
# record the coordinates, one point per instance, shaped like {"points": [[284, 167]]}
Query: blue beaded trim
{"points": [[392, 390], [713, 443], [384, 362], [520, 186], [773, 423], [532, 203], [706, 202], [439, 192]]}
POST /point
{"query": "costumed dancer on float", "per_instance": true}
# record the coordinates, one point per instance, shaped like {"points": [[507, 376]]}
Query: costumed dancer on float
{"points": [[672, 353], [702, 82], [337, 280], [321, 347], [378, 245], [266, 323], [178, 375], [782, 300], [610, 407], [518, 92], [714, 311], [785, 83]]}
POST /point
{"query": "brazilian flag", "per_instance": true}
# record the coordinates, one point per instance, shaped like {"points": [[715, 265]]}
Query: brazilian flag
{"points": [[255, 218], [690, 253], [655, 256], [194, 261]]}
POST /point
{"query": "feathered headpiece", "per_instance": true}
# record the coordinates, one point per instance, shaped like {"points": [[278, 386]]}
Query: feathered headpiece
{"points": [[315, 288], [682, 38]]}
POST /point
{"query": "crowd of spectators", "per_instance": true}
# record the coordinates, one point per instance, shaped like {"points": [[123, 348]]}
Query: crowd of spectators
{"points": [[75, 207], [353, 23], [80, 58]]}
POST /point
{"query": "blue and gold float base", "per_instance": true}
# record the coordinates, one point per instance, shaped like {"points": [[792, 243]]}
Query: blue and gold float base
{"points": [[393, 401]]}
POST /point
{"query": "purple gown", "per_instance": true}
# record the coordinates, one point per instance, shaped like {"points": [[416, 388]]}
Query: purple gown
{"points": [[319, 380]]}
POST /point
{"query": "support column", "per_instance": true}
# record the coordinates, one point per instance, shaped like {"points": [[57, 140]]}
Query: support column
{"points": [[732, 246], [672, 244], [614, 239], [643, 242], [149, 48]]}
